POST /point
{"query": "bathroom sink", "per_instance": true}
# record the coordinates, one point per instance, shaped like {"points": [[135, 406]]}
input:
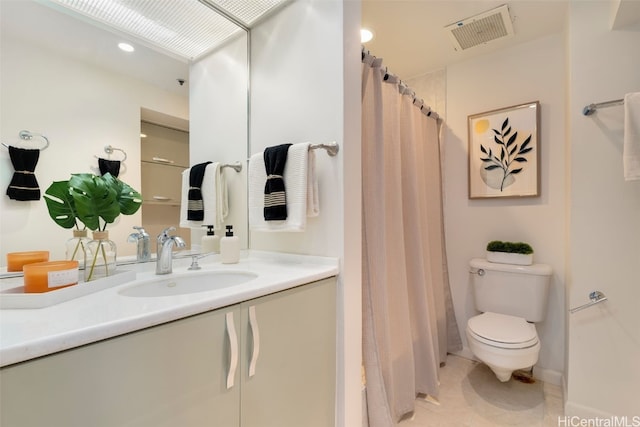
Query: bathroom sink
{"points": [[187, 284]]}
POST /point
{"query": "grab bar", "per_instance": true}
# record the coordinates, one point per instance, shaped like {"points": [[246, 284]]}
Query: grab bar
{"points": [[595, 297]]}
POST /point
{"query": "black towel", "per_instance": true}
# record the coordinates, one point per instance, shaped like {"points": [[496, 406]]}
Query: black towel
{"points": [[110, 166], [195, 207], [275, 200], [24, 185]]}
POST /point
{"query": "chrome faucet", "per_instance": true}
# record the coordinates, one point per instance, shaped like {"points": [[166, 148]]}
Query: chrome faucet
{"points": [[164, 250], [141, 238]]}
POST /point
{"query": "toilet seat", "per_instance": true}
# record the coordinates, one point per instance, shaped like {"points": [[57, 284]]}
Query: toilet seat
{"points": [[502, 331]]}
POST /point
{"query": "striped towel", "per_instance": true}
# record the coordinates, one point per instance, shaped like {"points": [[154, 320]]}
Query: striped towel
{"points": [[275, 199], [302, 190], [195, 209]]}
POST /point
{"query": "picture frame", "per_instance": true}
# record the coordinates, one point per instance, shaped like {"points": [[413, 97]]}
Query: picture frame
{"points": [[504, 152]]}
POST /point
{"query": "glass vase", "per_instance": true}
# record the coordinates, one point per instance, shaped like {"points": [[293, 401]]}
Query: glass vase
{"points": [[99, 257], [75, 247]]}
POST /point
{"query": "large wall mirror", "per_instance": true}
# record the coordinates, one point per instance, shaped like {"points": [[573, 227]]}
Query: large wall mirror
{"points": [[64, 76]]}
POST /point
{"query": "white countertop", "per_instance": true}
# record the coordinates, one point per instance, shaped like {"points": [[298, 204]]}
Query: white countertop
{"points": [[29, 333]]}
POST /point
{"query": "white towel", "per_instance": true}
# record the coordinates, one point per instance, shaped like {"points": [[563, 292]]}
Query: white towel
{"points": [[631, 154], [301, 187], [214, 197]]}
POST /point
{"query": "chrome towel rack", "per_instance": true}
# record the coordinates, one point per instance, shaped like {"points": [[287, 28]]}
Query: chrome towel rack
{"points": [[28, 136], [591, 108], [596, 297], [237, 166], [110, 149], [331, 147]]}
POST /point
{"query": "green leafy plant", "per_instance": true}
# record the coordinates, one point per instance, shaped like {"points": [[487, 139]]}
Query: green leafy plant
{"points": [[90, 201], [510, 152], [510, 247]]}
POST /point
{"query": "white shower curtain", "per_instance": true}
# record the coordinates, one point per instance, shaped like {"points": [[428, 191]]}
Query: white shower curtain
{"points": [[408, 321]]}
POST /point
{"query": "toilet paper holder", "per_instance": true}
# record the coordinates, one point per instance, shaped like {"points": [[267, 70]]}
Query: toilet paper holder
{"points": [[595, 297]]}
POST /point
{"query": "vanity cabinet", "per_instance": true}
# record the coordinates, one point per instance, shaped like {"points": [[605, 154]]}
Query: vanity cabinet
{"points": [[265, 362]]}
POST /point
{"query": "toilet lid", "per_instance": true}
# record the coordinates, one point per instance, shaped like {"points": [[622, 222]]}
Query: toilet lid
{"points": [[502, 330]]}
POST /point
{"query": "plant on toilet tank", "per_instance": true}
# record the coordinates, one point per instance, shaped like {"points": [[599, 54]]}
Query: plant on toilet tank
{"points": [[518, 253]]}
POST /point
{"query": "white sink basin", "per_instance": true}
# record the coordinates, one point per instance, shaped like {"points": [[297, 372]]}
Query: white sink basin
{"points": [[187, 284]]}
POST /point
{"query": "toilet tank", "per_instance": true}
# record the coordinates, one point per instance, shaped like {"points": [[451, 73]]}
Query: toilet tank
{"points": [[516, 290]]}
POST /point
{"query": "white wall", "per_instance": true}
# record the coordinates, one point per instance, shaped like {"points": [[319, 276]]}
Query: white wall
{"points": [[525, 73], [81, 109], [305, 86], [218, 129], [604, 341]]}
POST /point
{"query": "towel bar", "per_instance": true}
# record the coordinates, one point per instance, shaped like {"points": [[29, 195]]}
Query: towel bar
{"points": [[237, 166], [591, 108], [595, 297], [331, 147]]}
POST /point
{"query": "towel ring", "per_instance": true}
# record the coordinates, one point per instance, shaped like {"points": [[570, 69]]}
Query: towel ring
{"points": [[28, 136], [109, 150]]}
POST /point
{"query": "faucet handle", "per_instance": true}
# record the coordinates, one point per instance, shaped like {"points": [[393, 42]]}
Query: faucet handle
{"points": [[194, 263], [164, 234], [166, 231], [141, 231]]}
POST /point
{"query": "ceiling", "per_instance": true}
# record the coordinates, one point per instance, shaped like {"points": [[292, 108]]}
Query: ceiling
{"points": [[410, 35], [59, 32]]}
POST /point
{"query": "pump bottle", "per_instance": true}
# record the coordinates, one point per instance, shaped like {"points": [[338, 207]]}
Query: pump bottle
{"points": [[230, 247], [210, 243]]}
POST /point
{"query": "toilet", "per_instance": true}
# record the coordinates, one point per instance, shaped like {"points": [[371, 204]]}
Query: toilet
{"points": [[512, 298]]}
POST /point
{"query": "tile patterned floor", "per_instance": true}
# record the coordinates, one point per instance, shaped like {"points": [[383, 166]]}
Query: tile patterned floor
{"points": [[471, 395]]}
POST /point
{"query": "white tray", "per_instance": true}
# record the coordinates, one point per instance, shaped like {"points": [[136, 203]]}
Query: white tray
{"points": [[17, 298]]}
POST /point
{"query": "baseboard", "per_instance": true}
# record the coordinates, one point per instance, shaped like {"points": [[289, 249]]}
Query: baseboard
{"points": [[548, 376], [573, 409], [466, 353]]}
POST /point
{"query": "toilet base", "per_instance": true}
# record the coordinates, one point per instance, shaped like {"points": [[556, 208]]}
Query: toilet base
{"points": [[504, 361], [502, 374]]}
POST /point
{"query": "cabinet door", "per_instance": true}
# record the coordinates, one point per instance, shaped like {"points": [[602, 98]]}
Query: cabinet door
{"points": [[164, 145], [161, 184], [295, 343], [170, 375]]}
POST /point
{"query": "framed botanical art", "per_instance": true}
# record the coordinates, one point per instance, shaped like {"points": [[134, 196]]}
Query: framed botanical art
{"points": [[504, 152]]}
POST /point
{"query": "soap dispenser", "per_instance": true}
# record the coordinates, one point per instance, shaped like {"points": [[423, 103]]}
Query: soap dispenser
{"points": [[210, 243], [230, 247]]}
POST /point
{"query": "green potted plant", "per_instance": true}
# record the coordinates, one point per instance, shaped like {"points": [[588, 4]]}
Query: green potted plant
{"points": [[93, 201], [519, 253]]}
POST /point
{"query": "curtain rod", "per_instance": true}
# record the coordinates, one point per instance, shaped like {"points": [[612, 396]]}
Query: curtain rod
{"points": [[403, 87], [591, 108]]}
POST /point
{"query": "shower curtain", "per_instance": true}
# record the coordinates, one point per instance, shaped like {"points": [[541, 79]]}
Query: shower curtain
{"points": [[408, 320]]}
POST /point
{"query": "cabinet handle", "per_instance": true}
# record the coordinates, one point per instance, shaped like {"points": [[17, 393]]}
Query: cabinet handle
{"points": [[163, 198], [233, 344], [255, 332], [161, 160]]}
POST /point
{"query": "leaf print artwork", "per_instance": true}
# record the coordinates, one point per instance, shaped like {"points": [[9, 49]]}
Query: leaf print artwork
{"points": [[499, 168]]}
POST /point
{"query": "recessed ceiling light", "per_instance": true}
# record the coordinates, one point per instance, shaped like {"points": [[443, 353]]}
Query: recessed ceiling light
{"points": [[143, 135], [126, 47], [365, 35]]}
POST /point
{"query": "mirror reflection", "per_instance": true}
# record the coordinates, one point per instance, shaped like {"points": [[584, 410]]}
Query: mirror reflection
{"points": [[67, 79]]}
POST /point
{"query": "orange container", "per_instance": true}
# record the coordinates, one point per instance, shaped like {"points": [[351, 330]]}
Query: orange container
{"points": [[46, 276], [16, 260]]}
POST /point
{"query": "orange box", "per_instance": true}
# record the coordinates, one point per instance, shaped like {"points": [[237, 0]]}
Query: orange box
{"points": [[16, 260], [46, 276]]}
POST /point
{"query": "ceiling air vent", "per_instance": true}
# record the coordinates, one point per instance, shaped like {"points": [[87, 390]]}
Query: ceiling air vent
{"points": [[481, 29]]}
